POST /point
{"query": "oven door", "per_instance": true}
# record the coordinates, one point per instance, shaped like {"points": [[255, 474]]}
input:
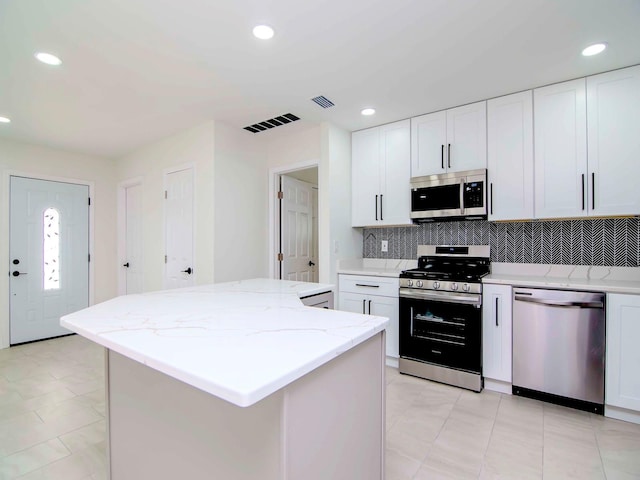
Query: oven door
{"points": [[443, 329]]}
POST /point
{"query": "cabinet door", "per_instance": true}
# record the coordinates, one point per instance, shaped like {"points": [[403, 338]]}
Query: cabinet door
{"points": [[623, 355], [560, 114], [365, 177], [613, 114], [496, 332], [353, 302], [387, 307], [467, 137], [395, 155], [428, 144], [510, 161]]}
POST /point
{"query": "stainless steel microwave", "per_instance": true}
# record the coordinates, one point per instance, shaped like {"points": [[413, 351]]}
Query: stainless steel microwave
{"points": [[449, 196]]}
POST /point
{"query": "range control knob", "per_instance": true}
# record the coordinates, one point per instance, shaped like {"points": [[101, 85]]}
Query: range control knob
{"points": [[454, 286], [419, 283], [410, 283], [436, 285], [466, 287]]}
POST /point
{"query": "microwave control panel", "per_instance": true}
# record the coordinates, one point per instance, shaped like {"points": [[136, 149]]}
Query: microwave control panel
{"points": [[473, 194]]}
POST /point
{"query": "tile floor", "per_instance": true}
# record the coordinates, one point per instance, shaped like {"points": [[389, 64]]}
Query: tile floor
{"points": [[52, 426]]}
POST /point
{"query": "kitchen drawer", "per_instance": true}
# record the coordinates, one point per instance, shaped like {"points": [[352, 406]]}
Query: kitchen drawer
{"points": [[369, 285]]}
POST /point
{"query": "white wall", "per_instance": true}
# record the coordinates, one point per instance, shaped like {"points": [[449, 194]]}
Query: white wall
{"points": [[335, 201], [293, 145], [194, 146], [38, 161], [241, 208]]}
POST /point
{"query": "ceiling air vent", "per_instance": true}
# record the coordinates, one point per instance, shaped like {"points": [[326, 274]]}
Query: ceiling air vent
{"points": [[272, 122], [323, 101]]}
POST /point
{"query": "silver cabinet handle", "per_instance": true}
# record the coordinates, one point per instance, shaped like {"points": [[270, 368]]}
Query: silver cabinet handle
{"points": [[491, 196], [497, 311], [583, 191], [593, 190], [442, 156], [370, 286], [363, 303], [449, 156], [369, 307], [381, 207]]}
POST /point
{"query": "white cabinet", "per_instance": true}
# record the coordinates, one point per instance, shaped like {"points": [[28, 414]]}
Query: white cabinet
{"points": [[449, 141], [510, 156], [380, 168], [613, 137], [496, 337], [622, 388], [371, 295], [561, 175]]}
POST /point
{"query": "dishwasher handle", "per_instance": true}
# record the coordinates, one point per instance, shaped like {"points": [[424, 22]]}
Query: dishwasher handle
{"points": [[556, 303]]}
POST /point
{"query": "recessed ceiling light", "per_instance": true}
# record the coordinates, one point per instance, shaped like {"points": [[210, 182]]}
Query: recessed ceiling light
{"points": [[594, 49], [368, 111], [48, 58], [263, 32], [5, 120]]}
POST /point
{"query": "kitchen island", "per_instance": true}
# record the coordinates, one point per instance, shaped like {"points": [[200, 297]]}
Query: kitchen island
{"points": [[239, 381]]}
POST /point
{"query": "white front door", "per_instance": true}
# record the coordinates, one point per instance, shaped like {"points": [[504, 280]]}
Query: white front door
{"points": [[296, 229], [49, 256], [133, 239], [179, 229]]}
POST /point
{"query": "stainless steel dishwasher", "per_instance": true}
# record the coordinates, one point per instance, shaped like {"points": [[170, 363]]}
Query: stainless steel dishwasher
{"points": [[559, 347]]}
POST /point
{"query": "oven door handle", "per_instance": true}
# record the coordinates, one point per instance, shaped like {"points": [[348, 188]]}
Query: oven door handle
{"points": [[439, 297]]}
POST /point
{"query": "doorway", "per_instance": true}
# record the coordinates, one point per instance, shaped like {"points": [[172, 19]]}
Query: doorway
{"points": [[130, 227], [49, 256], [179, 226], [297, 226]]}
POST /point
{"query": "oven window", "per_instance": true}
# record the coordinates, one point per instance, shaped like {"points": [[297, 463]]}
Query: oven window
{"points": [[444, 197], [447, 334]]}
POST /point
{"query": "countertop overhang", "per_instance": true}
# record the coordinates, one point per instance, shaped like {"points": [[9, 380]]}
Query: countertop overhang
{"points": [[240, 341]]}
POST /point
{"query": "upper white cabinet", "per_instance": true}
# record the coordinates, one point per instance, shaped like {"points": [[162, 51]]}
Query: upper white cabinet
{"points": [[380, 175], [449, 141], [561, 175], [622, 389], [510, 156], [613, 137]]}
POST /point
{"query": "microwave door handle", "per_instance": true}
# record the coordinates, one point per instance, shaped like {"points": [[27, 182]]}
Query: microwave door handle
{"points": [[462, 182]]}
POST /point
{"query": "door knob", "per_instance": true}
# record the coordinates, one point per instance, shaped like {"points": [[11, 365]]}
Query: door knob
{"points": [[187, 271], [126, 265], [16, 261], [17, 273], [311, 264]]}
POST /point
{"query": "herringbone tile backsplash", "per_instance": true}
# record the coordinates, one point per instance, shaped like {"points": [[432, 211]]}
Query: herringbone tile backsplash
{"points": [[609, 241]]}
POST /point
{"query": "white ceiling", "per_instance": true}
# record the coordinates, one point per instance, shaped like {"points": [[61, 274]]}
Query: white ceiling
{"points": [[137, 70]]}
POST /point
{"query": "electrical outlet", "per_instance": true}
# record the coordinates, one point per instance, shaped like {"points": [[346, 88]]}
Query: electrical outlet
{"points": [[385, 245]]}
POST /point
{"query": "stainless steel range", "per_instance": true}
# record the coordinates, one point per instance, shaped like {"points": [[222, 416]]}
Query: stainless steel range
{"points": [[441, 315]]}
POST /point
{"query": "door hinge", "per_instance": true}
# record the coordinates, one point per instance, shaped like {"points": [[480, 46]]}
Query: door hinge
{"points": [[89, 257], [89, 200], [165, 194], [280, 195], [280, 257], [165, 259]]}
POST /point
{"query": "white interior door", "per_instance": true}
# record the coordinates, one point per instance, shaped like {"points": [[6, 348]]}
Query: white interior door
{"points": [[314, 235], [49, 256], [179, 228], [132, 262], [296, 230]]}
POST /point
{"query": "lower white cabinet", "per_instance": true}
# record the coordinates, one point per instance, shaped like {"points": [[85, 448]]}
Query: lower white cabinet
{"points": [[496, 337], [371, 295], [622, 386]]}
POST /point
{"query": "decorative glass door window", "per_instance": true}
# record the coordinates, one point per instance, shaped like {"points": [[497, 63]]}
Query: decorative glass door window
{"points": [[51, 249]]}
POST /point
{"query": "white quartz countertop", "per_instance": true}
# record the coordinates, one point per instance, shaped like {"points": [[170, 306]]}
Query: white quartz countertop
{"points": [[240, 341], [377, 267], [567, 277]]}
